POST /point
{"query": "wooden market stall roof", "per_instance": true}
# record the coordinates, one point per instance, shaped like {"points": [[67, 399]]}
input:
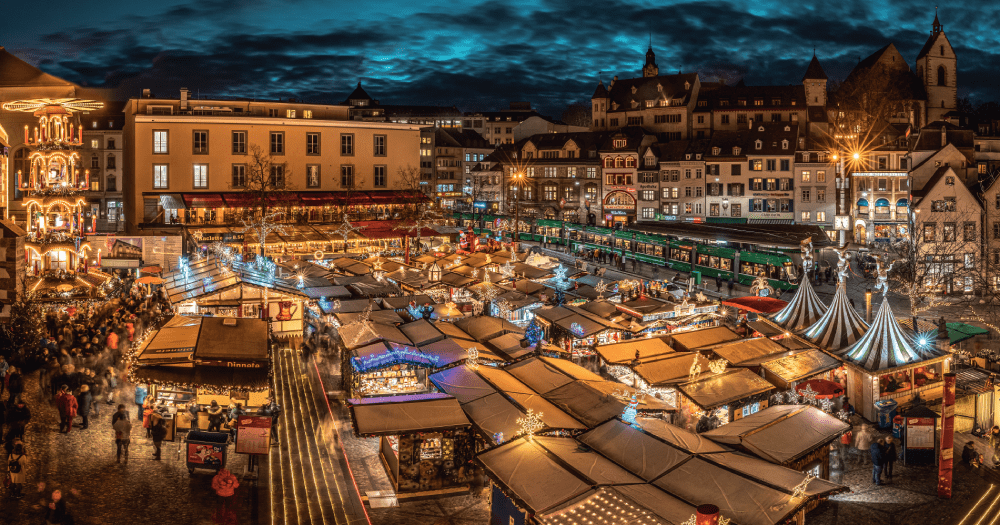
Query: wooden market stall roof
{"points": [[625, 351], [781, 434], [703, 337], [483, 328], [207, 277], [232, 339], [800, 366], [390, 416], [668, 369], [714, 390], [749, 352]]}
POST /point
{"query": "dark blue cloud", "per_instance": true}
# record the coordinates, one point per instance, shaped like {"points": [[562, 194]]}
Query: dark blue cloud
{"points": [[477, 55]]}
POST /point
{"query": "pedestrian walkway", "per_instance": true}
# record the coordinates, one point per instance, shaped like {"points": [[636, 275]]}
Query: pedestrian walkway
{"points": [[99, 491], [309, 485]]}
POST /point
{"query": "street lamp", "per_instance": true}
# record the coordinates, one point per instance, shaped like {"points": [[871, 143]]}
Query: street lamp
{"points": [[518, 181]]}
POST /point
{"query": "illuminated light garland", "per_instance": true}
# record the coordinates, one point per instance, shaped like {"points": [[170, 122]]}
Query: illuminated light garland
{"points": [[717, 366], [695, 369], [800, 490], [507, 270], [601, 288], [473, 358]]}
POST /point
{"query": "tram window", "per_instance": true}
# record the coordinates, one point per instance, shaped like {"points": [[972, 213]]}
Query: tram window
{"points": [[790, 270]]}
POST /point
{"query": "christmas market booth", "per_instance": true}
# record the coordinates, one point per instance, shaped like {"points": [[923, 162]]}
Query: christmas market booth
{"points": [[387, 368], [561, 481], [204, 359], [426, 443], [786, 371], [662, 316], [231, 288], [576, 329], [702, 338], [885, 365], [717, 396], [793, 436]]}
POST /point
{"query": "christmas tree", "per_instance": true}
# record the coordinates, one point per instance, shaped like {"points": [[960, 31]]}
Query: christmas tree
{"points": [[533, 333], [24, 330]]}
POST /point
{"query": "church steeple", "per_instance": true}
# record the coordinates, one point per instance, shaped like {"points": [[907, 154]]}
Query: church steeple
{"points": [[937, 27], [650, 69]]}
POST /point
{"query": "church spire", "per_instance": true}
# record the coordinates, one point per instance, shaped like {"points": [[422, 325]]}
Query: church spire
{"points": [[937, 27], [650, 69]]}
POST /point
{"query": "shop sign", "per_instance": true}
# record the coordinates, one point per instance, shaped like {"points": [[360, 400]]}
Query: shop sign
{"points": [[253, 435], [619, 188], [225, 237], [771, 215], [617, 212], [661, 217], [479, 205], [776, 194], [233, 364]]}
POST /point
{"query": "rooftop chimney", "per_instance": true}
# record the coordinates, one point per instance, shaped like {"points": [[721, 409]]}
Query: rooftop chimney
{"points": [[185, 93], [147, 93], [944, 136]]}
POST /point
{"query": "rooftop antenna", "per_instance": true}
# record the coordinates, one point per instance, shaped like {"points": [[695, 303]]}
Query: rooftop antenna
{"points": [[651, 40]]}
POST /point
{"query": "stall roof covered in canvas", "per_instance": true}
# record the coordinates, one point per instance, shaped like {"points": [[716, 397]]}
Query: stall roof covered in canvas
{"points": [[704, 337], [801, 365], [406, 414], [483, 328], [781, 433], [715, 390], [624, 352], [749, 352]]}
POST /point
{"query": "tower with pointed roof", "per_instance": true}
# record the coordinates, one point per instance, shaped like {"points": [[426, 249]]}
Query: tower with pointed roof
{"points": [[599, 107], [815, 83], [650, 69], [937, 68]]}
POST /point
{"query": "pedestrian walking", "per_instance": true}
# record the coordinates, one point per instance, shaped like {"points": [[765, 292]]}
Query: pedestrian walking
{"points": [[15, 383], [56, 512], [18, 416], [718, 284], [159, 433], [140, 398], [845, 447], [84, 400], [215, 417], [3, 372], [16, 461], [877, 450], [891, 455], [270, 408], [730, 286], [862, 443], [67, 406]]}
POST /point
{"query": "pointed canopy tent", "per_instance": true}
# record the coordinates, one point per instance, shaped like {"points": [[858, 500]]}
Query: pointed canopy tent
{"points": [[839, 327], [802, 311], [885, 345]]}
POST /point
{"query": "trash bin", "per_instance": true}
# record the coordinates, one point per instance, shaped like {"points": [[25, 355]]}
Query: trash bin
{"points": [[206, 450], [886, 412], [696, 275]]}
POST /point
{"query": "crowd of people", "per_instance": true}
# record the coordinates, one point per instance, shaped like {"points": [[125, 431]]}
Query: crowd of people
{"points": [[83, 355]]}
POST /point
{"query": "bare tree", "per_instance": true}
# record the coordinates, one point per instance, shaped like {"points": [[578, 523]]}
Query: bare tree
{"points": [[417, 211], [577, 114], [865, 104]]}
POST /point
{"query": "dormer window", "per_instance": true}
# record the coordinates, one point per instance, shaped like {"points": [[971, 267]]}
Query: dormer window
{"points": [[742, 102], [758, 144], [665, 102], [659, 87], [620, 143], [761, 128], [805, 156], [788, 128], [650, 103], [715, 151], [687, 156], [633, 90], [776, 102], [697, 156], [687, 85], [784, 144], [736, 150]]}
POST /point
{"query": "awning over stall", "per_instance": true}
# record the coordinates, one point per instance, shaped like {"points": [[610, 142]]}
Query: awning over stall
{"points": [[390, 416], [782, 433], [715, 390]]}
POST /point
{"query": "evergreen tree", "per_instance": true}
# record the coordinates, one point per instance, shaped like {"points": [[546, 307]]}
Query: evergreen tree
{"points": [[24, 330], [533, 333]]}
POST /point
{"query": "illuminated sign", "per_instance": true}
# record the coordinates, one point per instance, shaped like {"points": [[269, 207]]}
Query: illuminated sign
{"points": [[880, 174]]}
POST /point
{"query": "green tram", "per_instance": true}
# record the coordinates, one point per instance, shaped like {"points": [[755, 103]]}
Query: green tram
{"points": [[742, 264]]}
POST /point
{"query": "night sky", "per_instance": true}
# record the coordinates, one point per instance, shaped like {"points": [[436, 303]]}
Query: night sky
{"points": [[475, 55]]}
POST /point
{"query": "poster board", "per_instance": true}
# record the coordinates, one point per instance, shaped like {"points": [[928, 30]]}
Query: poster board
{"points": [[209, 454], [920, 433], [253, 435]]}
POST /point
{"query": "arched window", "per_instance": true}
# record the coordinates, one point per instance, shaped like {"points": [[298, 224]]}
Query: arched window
{"points": [[942, 76], [609, 162], [619, 162], [629, 162]]}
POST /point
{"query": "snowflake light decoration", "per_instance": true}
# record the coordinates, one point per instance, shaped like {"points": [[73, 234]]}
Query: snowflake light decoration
{"points": [[530, 423], [475, 273], [717, 366], [792, 396], [693, 520], [473, 358], [800, 489]]}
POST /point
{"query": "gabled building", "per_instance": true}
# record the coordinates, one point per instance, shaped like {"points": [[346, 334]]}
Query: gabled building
{"points": [[619, 154], [659, 103], [456, 152], [815, 195], [948, 222], [937, 69], [728, 178], [102, 155], [770, 150], [670, 155]]}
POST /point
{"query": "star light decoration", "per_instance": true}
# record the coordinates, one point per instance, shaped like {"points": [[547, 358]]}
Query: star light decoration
{"points": [[693, 520], [503, 308], [364, 326], [345, 230], [809, 395], [559, 280], [473, 358], [507, 270], [530, 423]]}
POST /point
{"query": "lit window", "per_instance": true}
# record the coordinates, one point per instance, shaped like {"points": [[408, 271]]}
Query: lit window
{"points": [[160, 179], [201, 176], [160, 142], [290, 113]]}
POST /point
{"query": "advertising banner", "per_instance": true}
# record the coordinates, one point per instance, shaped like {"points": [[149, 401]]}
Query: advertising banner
{"points": [[946, 462], [253, 434]]}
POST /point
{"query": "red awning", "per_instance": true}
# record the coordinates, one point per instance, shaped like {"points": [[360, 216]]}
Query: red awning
{"points": [[238, 200], [284, 199], [316, 198], [385, 197], [760, 305], [203, 200], [824, 388]]}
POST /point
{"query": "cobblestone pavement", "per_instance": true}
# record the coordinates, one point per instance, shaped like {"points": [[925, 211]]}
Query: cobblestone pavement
{"points": [[910, 499], [100, 491], [370, 475]]}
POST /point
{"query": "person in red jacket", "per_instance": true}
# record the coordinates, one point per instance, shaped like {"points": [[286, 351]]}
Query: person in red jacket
{"points": [[67, 405]]}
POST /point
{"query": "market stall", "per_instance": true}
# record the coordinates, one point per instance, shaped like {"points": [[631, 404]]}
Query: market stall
{"points": [[793, 436], [386, 368], [714, 399], [204, 359], [700, 339], [426, 442], [786, 371]]}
